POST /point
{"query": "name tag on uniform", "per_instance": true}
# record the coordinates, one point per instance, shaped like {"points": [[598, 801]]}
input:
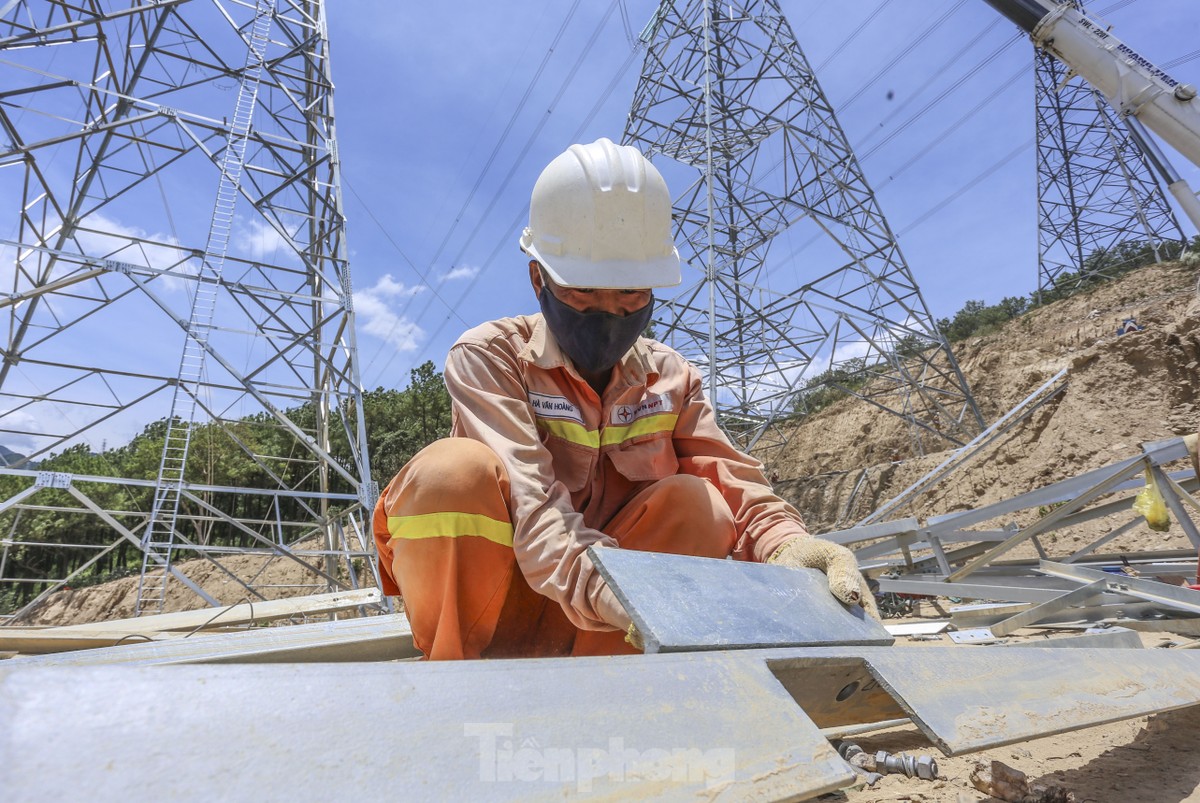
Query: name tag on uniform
{"points": [[555, 407], [652, 405]]}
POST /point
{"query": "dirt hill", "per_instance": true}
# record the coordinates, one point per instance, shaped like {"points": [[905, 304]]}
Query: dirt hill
{"points": [[1122, 391]]}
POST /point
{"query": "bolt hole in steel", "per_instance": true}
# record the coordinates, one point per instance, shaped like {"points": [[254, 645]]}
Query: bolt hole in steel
{"points": [[846, 691]]}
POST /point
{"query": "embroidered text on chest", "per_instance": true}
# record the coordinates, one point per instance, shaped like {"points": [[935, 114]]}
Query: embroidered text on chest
{"points": [[624, 414], [555, 407]]}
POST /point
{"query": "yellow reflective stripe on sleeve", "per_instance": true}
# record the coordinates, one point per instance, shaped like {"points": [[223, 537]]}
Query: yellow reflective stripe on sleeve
{"points": [[450, 525], [570, 431], [643, 426]]}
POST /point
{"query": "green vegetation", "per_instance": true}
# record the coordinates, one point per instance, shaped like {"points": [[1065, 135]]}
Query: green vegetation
{"points": [[977, 318], [399, 423]]}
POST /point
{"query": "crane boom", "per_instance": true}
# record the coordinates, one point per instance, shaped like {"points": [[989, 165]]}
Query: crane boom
{"points": [[1135, 87]]}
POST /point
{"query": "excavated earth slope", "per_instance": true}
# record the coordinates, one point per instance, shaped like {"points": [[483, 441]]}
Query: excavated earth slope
{"points": [[1122, 391]]}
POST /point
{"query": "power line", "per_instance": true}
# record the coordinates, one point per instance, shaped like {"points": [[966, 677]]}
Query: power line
{"points": [[837, 51], [938, 207], [400, 251], [920, 39], [1184, 59], [520, 107], [898, 130], [423, 274], [941, 136], [507, 233]]}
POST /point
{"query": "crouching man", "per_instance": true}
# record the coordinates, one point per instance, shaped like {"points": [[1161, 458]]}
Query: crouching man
{"points": [[572, 430]]}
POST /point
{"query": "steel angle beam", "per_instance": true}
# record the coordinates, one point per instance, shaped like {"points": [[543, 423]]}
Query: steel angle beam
{"points": [[240, 614], [724, 725], [1177, 597], [896, 543], [1113, 638], [1180, 627], [992, 591], [1106, 612], [682, 603], [966, 700], [372, 638], [41, 642], [866, 532], [974, 536], [683, 727], [1078, 597], [1159, 453]]}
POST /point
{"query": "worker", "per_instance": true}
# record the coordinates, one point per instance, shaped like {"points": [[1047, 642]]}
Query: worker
{"points": [[572, 430]]}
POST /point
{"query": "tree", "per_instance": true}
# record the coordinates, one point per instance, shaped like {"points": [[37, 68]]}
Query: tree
{"points": [[402, 423]]}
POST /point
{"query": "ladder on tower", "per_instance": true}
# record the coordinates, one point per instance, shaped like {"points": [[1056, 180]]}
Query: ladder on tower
{"points": [[158, 542]]}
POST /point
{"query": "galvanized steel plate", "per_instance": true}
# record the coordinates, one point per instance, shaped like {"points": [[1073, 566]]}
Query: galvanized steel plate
{"points": [[682, 603], [971, 698], [669, 727], [372, 638]]}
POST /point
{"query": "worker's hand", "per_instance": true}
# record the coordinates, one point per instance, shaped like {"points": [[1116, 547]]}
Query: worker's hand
{"points": [[609, 608], [845, 580]]}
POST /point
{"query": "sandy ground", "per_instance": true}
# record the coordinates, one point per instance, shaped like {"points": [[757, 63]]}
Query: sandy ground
{"points": [[1145, 760], [1152, 759]]}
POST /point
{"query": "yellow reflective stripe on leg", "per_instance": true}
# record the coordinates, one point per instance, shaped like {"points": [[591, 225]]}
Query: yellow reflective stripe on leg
{"points": [[450, 525]]}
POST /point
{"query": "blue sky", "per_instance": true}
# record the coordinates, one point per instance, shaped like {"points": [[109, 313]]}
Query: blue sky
{"points": [[446, 114], [435, 191]]}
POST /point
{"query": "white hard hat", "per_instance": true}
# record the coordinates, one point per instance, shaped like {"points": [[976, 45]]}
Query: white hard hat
{"points": [[600, 216]]}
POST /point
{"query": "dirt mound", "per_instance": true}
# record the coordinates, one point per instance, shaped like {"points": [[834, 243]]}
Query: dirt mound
{"points": [[118, 599], [1122, 391]]}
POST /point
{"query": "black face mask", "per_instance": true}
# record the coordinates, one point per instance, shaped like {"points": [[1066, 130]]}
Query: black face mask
{"points": [[595, 341]]}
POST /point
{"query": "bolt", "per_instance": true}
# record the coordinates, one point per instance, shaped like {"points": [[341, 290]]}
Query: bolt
{"points": [[924, 767], [847, 750], [927, 768]]}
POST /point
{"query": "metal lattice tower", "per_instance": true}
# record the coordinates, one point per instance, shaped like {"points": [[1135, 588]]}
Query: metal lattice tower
{"points": [[727, 95], [174, 252], [1095, 188]]}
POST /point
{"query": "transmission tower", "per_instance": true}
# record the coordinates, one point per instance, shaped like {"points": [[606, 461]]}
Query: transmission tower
{"points": [[1096, 189], [175, 256], [728, 97]]}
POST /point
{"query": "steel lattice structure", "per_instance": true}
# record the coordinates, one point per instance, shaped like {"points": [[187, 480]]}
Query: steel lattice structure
{"points": [[1096, 189], [727, 95], [172, 184]]}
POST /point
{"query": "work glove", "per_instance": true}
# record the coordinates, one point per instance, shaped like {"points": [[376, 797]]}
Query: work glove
{"points": [[613, 613], [845, 580]]}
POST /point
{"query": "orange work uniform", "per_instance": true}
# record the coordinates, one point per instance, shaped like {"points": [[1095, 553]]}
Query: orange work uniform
{"points": [[484, 534]]}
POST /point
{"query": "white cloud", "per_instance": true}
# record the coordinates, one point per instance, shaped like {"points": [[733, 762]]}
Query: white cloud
{"points": [[20, 428], [258, 239], [464, 272], [106, 238], [390, 288], [376, 309]]}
